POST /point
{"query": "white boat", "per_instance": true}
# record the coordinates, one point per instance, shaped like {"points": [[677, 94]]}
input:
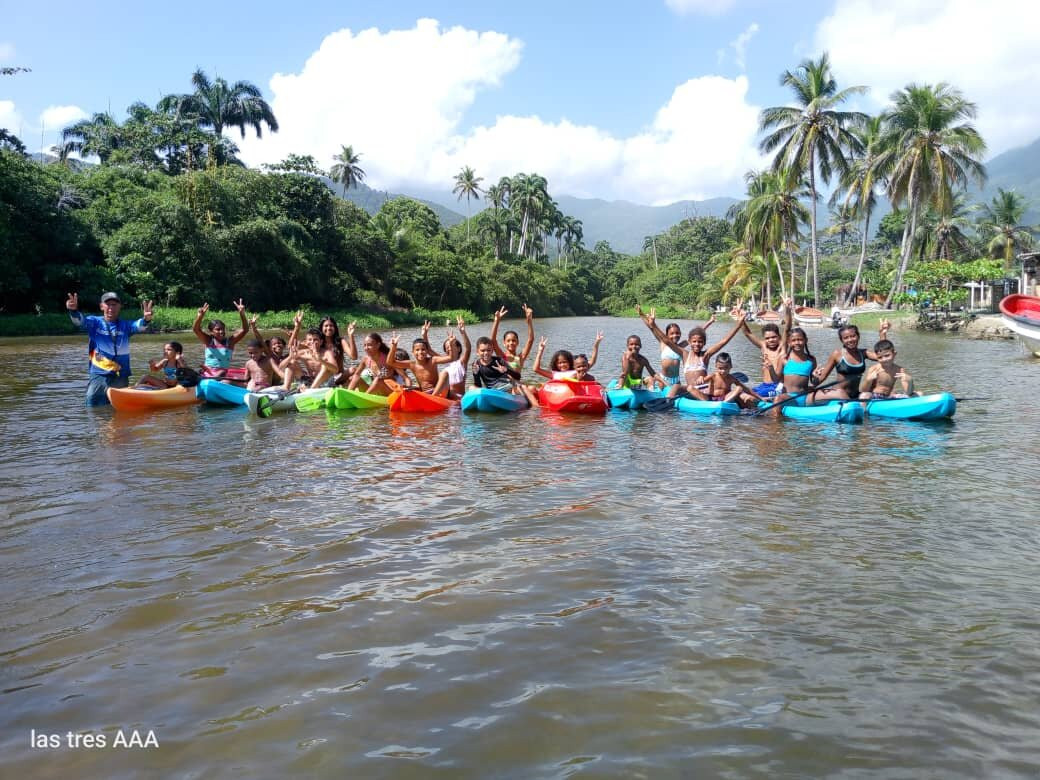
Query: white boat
{"points": [[1021, 315], [807, 315]]}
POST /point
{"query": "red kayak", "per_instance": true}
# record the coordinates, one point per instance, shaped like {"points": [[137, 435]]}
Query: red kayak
{"points": [[410, 400], [574, 397]]}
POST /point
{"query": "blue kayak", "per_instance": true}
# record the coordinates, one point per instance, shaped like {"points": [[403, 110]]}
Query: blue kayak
{"points": [[214, 391], [630, 397], [836, 411], [937, 406], [487, 399], [693, 406]]}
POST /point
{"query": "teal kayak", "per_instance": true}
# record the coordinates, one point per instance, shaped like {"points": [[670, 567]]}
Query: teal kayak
{"points": [[630, 397], [693, 406], [488, 399], [936, 406], [214, 391], [837, 411]]}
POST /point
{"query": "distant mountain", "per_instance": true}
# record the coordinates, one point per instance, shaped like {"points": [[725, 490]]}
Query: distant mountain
{"points": [[624, 225], [372, 200], [1019, 170]]}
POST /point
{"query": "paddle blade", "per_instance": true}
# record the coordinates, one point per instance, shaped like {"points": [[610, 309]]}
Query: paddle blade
{"points": [[309, 403]]}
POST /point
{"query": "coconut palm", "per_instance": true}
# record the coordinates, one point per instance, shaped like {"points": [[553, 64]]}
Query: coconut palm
{"points": [[1000, 225], [467, 184], [935, 152], [346, 170], [813, 135], [99, 135], [772, 217], [218, 105], [868, 170]]}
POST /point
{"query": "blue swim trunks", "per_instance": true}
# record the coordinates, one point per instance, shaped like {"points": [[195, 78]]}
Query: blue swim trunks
{"points": [[767, 389]]}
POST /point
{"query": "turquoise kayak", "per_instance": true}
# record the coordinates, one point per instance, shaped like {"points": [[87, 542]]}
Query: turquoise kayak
{"points": [[693, 406], [630, 397], [487, 399], [937, 406], [837, 411], [216, 392]]}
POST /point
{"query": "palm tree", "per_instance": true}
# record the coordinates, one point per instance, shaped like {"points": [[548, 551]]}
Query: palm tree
{"points": [[467, 184], [346, 170], [948, 230], [99, 135], [772, 217], [935, 151], [868, 170], [218, 105], [1000, 223], [812, 135]]}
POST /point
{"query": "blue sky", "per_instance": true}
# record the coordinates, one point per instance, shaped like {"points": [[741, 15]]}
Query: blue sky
{"points": [[653, 101]]}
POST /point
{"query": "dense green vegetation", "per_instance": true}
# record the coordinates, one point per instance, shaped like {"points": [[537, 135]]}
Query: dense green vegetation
{"points": [[170, 214]]}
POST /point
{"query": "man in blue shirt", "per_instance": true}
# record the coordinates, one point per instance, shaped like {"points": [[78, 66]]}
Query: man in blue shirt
{"points": [[109, 346]]}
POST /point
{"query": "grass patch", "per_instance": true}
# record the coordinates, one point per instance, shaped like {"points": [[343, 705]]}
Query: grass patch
{"points": [[868, 320]]}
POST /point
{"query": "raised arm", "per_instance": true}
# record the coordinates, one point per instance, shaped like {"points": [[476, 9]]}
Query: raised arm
{"points": [[823, 371], [529, 316], [257, 336], [72, 306], [749, 335], [883, 327], [788, 320], [294, 334], [467, 347], [538, 360], [243, 329], [348, 343], [739, 326], [595, 349], [496, 320], [391, 356], [196, 327]]}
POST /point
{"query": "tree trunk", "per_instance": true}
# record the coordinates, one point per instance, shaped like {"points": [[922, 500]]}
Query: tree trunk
{"points": [[910, 229], [812, 231], [862, 259], [780, 274]]}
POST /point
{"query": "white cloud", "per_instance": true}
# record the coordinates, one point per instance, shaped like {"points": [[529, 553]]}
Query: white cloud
{"points": [[9, 117], [6, 51], [739, 45], [403, 112], [707, 7], [60, 117], [988, 51]]}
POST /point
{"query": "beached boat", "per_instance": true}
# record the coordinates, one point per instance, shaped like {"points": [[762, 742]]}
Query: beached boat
{"points": [[807, 315], [574, 397], [1021, 315], [767, 316]]}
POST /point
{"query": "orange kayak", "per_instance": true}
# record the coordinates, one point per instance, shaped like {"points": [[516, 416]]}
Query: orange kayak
{"points": [[131, 399], [576, 397], [411, 400]]}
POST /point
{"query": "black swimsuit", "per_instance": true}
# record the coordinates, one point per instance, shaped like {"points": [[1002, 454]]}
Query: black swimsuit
{"points": [[852, 371]]}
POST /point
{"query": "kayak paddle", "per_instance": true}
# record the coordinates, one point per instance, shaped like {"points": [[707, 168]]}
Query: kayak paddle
{"points": [[796, 396]]}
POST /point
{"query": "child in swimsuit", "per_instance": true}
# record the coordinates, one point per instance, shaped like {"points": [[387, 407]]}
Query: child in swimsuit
{"points": [[422, 365], [491, 371], [562, 364], [633, 364], [881, 379], [695, 356], [305, 363], [218, 346], [671, 359], [511, 339], [455, 357], [721, 385], [799, 364], [172, 359], [259, 366], [849, 361]]}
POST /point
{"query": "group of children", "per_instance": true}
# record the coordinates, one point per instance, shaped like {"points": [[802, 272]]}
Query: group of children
{"points": [[326, 358]]}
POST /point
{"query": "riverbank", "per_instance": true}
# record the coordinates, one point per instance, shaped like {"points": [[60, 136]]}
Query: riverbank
{"points": [[973, 326]]}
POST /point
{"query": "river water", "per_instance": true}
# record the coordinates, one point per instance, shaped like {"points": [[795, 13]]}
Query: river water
{"points": [[645, 595]]}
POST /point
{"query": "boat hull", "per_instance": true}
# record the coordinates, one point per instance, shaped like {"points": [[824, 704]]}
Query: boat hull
{"points": [[572, 397], [631, 398], [344, 398], [935, 406], [807, 315], [213, 391], [1021, 315], [694, 406], [266, 404], [418, 402], [130, 399], [488, 399], [848, 412]]}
